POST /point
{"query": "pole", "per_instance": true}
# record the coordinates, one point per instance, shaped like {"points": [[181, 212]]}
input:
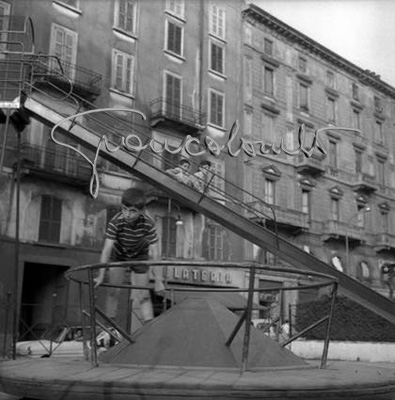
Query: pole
{"points": [[347, 253], [16, 276], [7, 124]]}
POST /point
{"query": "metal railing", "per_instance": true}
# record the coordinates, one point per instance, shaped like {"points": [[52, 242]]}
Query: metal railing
{"points": [[83, 275], [55, 161], [175, 111]]}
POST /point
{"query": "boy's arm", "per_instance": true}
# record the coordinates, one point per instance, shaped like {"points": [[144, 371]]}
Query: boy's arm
{"points": [[104, 258], [157, 269]]}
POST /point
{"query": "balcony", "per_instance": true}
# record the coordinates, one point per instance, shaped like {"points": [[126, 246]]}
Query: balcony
{"points": [[340, 231], [310, 166], [384, 242], [176, 116], [49, 71], [286, 219], [55, 164], [364, 183]]}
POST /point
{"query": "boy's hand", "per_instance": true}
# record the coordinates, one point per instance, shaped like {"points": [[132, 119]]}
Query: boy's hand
{"points": [[98, 280], [159, 287]]}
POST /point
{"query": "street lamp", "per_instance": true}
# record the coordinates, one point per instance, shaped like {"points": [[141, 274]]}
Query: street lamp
{"points": [[364, 209]]}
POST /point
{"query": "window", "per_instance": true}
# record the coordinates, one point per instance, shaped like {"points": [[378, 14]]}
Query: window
{"points": [[248, 78], [173, 95], [303, 97], [333, 154], [358, 161], [268, 128], [268, 81], [247, 123], [268, 47], [355, 91], [174, 38], [177, 7], [122, 78], [384, 221], [50, 219], [215, 242], [361, 216], [64, 46], [125, 15], [169, 237], [269, 196], [356, 120], [218, 182], [216, 108], [217, 22], [306, 202], [379, 132], [330, 79], [331, 110], [217, 57], [335, 209], [302, 65], [378, 104], [381, 172]]}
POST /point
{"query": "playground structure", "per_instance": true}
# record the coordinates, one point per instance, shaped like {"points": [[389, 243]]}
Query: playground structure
{"points": [[42, 87]]}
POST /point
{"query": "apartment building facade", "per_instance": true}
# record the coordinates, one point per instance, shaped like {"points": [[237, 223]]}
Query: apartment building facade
{"points": [[338, 206], [174, 61]]}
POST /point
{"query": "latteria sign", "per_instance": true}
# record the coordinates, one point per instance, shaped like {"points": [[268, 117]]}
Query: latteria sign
{"points": [[202, 276]]}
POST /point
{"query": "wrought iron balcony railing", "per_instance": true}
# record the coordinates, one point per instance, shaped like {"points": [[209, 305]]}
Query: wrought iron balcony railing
{"points": [[165, 111], [385, 240], [365, 183], [342, 230], [55, 163], [65, 75], [312, 166]]}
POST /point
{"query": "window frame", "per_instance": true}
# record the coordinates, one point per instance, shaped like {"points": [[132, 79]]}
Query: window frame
{"points": [[68, 59], [47, 234], [218, 95], [335, 209], [331, 110], [117, 15], [216, 247], [330, 80], [212, 67], [355, 91], [114, 75], [304, 92], [269, 194], [174, 11], [168, 24], [217, 29], [268, 83], [172, 101], [268, 46]]}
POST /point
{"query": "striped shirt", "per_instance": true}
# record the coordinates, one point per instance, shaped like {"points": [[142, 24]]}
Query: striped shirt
{"points": [[132, 240]]}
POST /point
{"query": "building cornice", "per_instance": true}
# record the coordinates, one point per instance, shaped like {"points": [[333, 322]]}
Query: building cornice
{"points": [[364, 76]]}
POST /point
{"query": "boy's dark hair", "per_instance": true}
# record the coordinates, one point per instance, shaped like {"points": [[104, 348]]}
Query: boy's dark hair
{"points": [[134, 197], [184, 161], [205, 162]]}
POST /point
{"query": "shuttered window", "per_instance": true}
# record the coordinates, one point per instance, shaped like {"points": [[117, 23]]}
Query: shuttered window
{"points": [[50, 219]]}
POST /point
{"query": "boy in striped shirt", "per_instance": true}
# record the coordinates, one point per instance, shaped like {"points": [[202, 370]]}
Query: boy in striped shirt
{"points": [[129, 235]]}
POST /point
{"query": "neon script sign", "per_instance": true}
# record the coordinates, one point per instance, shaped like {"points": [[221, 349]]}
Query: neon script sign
{"points": [[234, 145]]}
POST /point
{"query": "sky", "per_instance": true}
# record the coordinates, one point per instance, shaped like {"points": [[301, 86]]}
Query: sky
{"points": [[361, 31]]}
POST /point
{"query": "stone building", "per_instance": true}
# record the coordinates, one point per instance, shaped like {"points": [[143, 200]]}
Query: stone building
{"points": [[338, 206]]}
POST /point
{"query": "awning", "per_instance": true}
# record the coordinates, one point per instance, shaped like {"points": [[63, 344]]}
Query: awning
{"points": [[231, 300]]}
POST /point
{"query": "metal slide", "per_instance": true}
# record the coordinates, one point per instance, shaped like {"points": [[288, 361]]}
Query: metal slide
{"points": [[232, 214]]}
